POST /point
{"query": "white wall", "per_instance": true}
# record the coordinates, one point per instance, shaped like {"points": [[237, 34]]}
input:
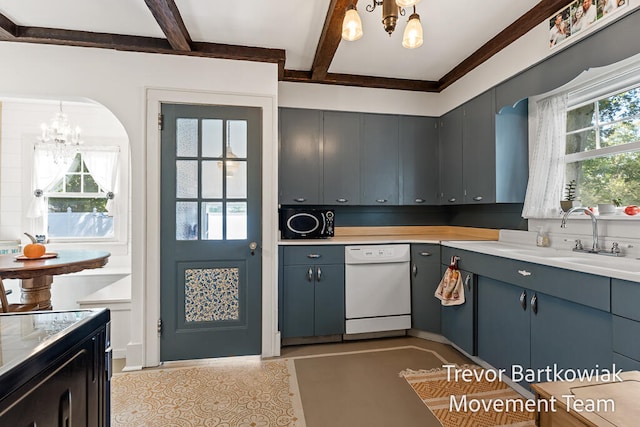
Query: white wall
{"points": [[119, 81]]}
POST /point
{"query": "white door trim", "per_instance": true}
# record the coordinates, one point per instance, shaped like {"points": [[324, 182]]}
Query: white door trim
{"points": [[151, 292]]}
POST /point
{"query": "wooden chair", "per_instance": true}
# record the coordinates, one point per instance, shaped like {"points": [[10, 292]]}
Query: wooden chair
{"points": [[13, 308]]}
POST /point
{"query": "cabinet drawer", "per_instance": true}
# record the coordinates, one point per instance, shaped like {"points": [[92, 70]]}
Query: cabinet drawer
{"points": [[625, 297], [425, 252], [587, 289], [316, 254], [626, 337], [625, 363]]}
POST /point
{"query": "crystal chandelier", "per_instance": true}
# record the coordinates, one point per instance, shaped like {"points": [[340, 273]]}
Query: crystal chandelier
{"points": [[61, 136]]}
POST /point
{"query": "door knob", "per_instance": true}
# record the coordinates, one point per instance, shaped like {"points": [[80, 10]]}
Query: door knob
{"points": [[253, 246]]}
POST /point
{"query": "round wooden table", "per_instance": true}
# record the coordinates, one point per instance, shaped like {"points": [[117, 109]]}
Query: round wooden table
{"points": [[37, 275]]}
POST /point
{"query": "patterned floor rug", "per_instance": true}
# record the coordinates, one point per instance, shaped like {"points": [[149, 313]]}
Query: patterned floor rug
{"points": [[474, 404], [217, 393]]}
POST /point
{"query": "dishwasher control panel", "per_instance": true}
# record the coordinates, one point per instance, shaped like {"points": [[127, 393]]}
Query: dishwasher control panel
{"points": [[371, 254]]}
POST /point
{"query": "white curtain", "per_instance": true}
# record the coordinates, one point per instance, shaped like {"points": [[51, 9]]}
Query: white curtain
{"points": [[103, 167], [546, 168], [48, 169]]}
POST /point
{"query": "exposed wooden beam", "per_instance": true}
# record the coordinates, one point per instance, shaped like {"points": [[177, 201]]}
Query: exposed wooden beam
{"points": [[330, 38], [146, 44], [7, 28], [168, 17], [362, 81], [539, 13]]}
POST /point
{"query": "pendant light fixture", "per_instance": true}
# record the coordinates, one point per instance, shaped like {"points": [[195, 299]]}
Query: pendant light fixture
{"points": [[413, 36]]}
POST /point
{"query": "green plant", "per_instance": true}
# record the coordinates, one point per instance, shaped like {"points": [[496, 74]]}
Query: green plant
{"points": [[570, 190], [617, 202]]}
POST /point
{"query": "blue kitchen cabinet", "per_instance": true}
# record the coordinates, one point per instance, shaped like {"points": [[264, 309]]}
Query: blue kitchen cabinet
{"points": [[450, 135], [379, 160], [312, 291], [458, 321], [419, 169], [341, 158], [625, 296], [425, 276]]}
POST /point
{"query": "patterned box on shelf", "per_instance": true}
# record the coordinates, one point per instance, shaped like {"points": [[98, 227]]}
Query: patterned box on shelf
{"points": [[10, 247]]}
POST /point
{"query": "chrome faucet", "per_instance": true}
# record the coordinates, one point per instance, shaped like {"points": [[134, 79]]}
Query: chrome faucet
{"points": [[594, 223]]}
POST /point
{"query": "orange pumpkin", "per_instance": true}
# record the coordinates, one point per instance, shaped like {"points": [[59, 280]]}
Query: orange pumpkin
{"points": [[34, 250]]}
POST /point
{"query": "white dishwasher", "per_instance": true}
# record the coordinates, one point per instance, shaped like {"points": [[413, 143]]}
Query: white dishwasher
{"points": [[377, 288]]}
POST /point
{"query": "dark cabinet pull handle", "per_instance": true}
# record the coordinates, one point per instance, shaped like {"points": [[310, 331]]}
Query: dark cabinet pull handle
{"points": [[467, 282], [451, 200], [534, 304], [381, 200], [414, 270], [300, 200], [313, 256], [342, 200], [310, 274], [318, 274], [523, 300], [419, 200], [425, 254], [478, 198]]}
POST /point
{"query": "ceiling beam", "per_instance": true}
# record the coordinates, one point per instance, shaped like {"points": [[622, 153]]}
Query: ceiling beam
{"points": [[168, 17], [7, 28], [362, 81], [330, 38], [538, 14]]}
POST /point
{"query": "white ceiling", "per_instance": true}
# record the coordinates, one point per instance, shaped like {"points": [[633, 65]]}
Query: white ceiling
{"points": [[453, 29]]}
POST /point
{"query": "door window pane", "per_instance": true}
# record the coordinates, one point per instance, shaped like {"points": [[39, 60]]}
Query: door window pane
{"points": [[236, 179], [212, 221], [211, 138], [237, 221], [187, 137], [187, 179], [186, 220], [237, 137], [211, 180]]}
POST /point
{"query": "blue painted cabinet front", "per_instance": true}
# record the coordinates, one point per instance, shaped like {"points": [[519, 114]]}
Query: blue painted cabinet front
{"points": [[458, 321], [425, 276]]}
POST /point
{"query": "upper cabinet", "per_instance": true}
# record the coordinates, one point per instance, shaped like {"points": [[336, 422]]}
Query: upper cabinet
{"points": [[341, 158], [300, 163], [379, 160], [484, 156], [419, 162]]}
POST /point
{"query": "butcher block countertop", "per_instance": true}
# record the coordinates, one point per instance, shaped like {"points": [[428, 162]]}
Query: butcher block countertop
{"points": [[401, 234]]}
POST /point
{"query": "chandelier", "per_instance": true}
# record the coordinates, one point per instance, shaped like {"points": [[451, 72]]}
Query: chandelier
{"points": [[62, 138], [412, 38]]}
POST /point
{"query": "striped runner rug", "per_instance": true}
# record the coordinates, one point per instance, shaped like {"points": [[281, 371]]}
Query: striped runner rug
{"points": [[478, 403]]}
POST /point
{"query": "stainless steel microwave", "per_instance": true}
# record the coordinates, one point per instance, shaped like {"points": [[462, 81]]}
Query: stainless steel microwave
{"points": [[298, 223]]}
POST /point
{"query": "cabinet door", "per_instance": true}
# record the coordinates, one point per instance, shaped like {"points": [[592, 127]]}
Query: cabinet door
{"points": [[298, 301], [479, 153], [341, 158], [450, 133], [568, 334], [419, 160], [300, 165], [503, 324], [458, 321], [425, 276], [379, 160], [329, 300]]}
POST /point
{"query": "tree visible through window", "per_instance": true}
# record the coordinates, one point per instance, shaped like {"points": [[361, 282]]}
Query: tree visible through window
{"points": [[77, 205], [603, 149]]}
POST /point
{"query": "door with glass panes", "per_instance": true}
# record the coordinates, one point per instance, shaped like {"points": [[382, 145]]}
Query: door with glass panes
{"points": [[210, 286]]}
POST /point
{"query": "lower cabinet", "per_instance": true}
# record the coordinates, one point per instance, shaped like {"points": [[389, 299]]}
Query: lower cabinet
{"points": [[519, 328], [458, 321], [626, 324], [425, 276], [313, 291]]}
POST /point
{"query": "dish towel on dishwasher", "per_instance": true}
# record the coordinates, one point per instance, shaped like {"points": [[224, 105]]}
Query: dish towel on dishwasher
{"points": [[450, 289]]}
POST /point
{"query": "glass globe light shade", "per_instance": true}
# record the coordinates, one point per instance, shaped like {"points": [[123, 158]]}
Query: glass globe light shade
{"points": [[351, 25], [413, 37]]}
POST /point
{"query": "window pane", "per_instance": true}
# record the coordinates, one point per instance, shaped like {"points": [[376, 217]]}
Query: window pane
{"points": [[74, 184], [187, 137], [237, 221], [621, 106], [187, 179], [237, 137], [236, 179], [620, 133], [211, 138], [581, 141], [186, 220], [603, 179], [76, 164], [79, 217], [90, 185], [212, 179], [581, 118], [212, 221]]}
